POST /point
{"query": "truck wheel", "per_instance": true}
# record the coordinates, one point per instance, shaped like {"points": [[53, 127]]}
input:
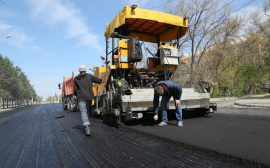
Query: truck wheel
{"points": [[68, 104], [64, 107], [72, 102], [64, 102]]}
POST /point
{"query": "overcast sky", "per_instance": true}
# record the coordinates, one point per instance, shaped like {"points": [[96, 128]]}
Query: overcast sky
{"points": [[52, 38]]}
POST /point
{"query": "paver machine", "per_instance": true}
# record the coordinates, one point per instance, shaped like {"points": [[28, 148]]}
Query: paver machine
{"points": [[126, 91]]}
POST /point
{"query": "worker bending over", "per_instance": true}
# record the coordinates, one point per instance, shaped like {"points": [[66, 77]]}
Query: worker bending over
{"points": [[166, 89], [83, 91]]}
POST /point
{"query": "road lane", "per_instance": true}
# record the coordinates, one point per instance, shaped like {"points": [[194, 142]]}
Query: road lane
{"points": [[32, 137], [233, 134]]}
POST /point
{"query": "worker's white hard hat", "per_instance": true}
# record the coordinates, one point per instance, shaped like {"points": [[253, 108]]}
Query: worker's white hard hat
{"points": [[82, 68]]}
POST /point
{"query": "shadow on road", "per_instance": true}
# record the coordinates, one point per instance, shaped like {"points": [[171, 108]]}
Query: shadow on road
{"points": [[148, 120]]}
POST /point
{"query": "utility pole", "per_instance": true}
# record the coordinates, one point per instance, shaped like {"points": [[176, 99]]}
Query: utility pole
{"points": [[55, 100]]}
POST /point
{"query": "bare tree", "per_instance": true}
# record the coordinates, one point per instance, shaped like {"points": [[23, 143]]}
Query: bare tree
{"points": [[266, 7], [259, 19], [260, 26], [207, 20]]}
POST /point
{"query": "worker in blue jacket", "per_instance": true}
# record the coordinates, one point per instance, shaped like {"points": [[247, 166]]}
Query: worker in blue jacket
{"points": [[167, 89]]}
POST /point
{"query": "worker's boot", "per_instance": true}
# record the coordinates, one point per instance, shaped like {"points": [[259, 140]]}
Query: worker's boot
{"points": [[87, 130]]}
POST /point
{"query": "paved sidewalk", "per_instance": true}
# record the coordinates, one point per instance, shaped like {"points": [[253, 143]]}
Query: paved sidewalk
{"points": [[248, 101], [255, 101]]}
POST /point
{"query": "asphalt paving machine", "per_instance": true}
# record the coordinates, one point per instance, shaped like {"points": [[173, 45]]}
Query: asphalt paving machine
{"points": [[126, 91]]}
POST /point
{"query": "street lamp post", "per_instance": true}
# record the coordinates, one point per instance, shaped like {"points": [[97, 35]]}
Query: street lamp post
{"points": [[1, 42], [6, 38], [33, 95]]}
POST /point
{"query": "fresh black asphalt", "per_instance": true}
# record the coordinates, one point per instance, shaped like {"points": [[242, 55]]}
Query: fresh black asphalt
{"points": [[239, 136], [32, 137]]}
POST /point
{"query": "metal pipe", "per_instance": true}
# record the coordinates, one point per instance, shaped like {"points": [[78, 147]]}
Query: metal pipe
{"points": [[106, 53], [97, 97], [178, 39], [113, 51], [178, 36], [111, 98]]}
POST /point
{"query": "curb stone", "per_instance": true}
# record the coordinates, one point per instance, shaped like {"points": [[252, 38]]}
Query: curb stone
{"points": [[250, 105]]}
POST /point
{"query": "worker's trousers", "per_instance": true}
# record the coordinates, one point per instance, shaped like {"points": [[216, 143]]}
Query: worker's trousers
{"points": [[83, 106], [163, 108]]}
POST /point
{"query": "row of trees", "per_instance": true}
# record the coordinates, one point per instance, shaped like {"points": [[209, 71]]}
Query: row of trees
{"points": [[227, 49], [14, 84], [39, 99], [55, 98]]}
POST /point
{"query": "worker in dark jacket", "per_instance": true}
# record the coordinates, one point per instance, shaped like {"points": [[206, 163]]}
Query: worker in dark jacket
{"points": [[168, 89], [84, 92]]}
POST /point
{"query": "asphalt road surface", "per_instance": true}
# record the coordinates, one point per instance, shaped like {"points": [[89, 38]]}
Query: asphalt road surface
{"points": [[239, 136], [32, 137]]}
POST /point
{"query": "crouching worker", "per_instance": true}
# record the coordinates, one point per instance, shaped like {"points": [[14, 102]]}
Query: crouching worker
{"points": [[83, 91], [166, 89]]}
